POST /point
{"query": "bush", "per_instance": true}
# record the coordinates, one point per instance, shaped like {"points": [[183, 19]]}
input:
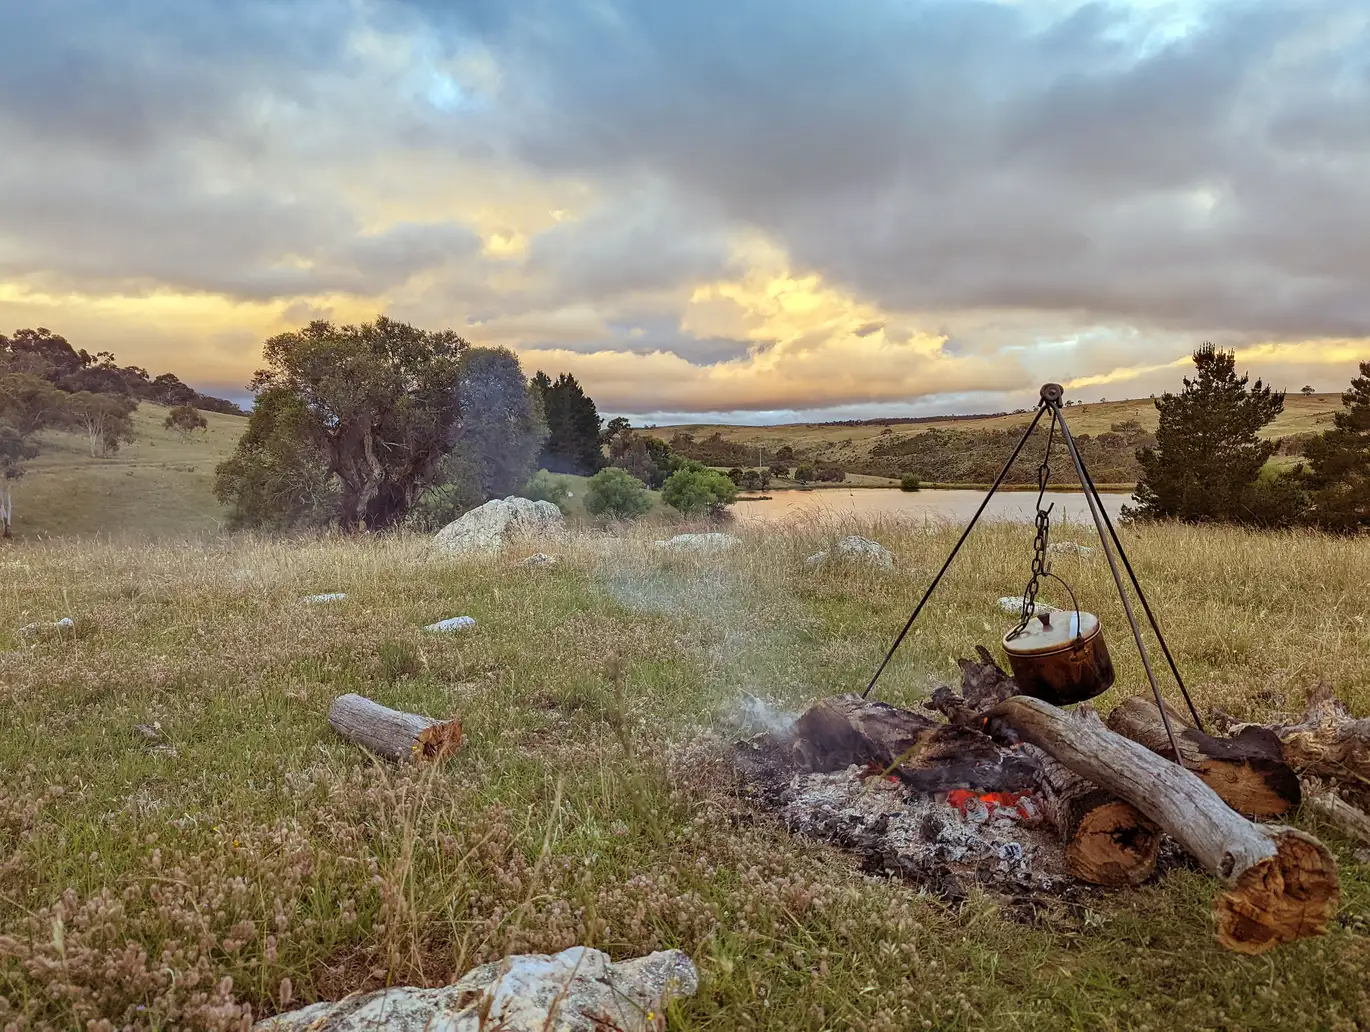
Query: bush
{"points": [[616, 492], [910, 482], [803, 474], [185, 420], [544, 487], [693, 492]]}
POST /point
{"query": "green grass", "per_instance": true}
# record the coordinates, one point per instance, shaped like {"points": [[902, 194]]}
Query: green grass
{"points": [[160, 485], [589, 804]]}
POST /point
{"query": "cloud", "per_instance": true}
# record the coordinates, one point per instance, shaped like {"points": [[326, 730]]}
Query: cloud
{"points": [[779, 206]]}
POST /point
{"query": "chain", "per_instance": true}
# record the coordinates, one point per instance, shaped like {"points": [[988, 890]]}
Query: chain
{"points": [[1041, 567]]}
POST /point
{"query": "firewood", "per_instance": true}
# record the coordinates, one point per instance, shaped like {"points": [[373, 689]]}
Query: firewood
{"points": [[1351, 821], [926, 755], [1107, 841], [1247, 771], [398, 736], [1280, 884], [1328, 743]]}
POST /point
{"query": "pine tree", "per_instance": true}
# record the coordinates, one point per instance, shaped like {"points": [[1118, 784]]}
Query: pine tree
{"points": [[1340, 475], [1208, 456], [573, 426]]}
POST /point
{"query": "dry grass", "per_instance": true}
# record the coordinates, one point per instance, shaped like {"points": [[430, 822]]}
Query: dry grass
{"points": [[245, 859]]}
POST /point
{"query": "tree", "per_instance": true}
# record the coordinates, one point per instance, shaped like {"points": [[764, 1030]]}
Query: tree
{"points": [[1208, 456], [185, 420], [544, 487], [779, 472], [803, 473], [573, 439], [1339, 477], [107, 419], [28, 404], [501, 427], [694, 489], [616, 426], [910, 482], [616, 492], [374, 405], [1307, 391], [735, 475]]}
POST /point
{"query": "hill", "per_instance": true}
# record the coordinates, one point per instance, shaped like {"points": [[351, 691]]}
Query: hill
{"points": [[158, 486], [970, 449]]}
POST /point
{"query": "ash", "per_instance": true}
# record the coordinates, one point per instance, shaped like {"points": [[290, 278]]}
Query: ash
{"points": [[946, 848]]}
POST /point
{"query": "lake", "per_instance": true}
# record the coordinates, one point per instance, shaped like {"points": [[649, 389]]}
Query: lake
{"points": [[951, 506]]}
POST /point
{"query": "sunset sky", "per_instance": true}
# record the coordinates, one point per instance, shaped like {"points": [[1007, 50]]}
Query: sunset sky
{"points": [[756, 210]]}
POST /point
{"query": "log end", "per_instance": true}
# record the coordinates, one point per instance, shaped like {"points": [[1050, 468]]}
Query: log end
{"points": [[1114, 846], [1289, 896], [437, 742]]}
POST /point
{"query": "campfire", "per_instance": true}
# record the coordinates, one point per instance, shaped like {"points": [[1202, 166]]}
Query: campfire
{"points": [[1033, 803]]}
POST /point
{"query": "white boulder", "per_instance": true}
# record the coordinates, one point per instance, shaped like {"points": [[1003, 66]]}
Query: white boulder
{"points": [[485, 528], [854, 549], [711, 542], [42, 630], [332, 596], [539, 559], [1013, 604], [577, 990], [1070, 548]]}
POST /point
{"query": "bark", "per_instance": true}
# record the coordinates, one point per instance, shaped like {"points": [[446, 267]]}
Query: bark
{"points": [[1279, 883], [1107, 841], [926, 755], [983, 685], [398, 736], [1248, 771]]}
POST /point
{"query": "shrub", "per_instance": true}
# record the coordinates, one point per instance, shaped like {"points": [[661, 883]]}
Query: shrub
{"points": [[544, 487], [803, 474], [910, 482], [693, 492], [185, 420], [616, 492]]}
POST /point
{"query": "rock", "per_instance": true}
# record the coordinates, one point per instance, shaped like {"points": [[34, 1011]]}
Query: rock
{"points": [[332, 596], [1070, 548], [1013, 605], [39, 630], [712, 542], [855, 549], [577, 990], [454, 623], [538, 559], [485, 528]]}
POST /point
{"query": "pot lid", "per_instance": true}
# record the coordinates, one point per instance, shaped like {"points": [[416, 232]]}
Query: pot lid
{"points": [[1063, 628]]}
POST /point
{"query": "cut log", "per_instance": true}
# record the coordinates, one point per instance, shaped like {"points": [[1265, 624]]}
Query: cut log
{"points": [[925, 754], [1247, 771], [1108, 842], [1328, 743], [398, 736], [1351, 821], [1280, 883]]}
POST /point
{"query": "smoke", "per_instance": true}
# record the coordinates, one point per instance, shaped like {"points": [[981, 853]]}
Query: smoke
{"points": [[749, 714]]}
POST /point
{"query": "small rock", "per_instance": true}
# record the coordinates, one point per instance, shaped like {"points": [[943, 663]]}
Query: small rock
{"points": [[538, 559], [152, 732], [855, 549], [1011, 851], [454, 623], [1070, 548], [37, 630], [577, 990], [1013, 604], [712, 542], [332, 596]]}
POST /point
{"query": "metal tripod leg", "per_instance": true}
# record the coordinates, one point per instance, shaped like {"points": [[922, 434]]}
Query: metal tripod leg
{"points": [[1112, 565], [1141, 596], [965, 534]]}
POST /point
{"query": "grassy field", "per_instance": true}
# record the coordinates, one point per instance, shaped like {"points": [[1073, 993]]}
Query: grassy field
{"points": [[245, 858], [850, 446], [159, 485]]}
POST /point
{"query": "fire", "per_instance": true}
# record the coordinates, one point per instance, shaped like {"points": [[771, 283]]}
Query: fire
{"points": [[1020, 804]]}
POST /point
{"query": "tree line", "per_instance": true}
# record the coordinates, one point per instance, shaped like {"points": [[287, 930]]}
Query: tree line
{"points": [[1209, 462]]}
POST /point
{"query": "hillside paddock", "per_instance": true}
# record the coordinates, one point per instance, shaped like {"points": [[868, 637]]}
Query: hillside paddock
{"points": [[235, 856]]}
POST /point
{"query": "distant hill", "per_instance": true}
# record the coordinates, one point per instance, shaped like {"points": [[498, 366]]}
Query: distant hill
{"points": [[970, 449], [158, 486]]}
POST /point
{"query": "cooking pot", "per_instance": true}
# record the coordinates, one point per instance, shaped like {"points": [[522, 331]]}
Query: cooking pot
{"points": [[1060, 657]]}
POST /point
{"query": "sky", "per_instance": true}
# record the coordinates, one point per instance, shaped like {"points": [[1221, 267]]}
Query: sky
{"points": [[743, 210]]}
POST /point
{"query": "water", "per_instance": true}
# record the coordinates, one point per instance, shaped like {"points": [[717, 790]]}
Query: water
{"points": [[951, 506]]}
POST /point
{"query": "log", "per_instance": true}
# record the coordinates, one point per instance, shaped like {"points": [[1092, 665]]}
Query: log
{"points": [[926, 755], [398, 736], [983, 684], [1351, 821], [1280, 884], [1108, 842], [1328, 743], [1247, 771]]}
